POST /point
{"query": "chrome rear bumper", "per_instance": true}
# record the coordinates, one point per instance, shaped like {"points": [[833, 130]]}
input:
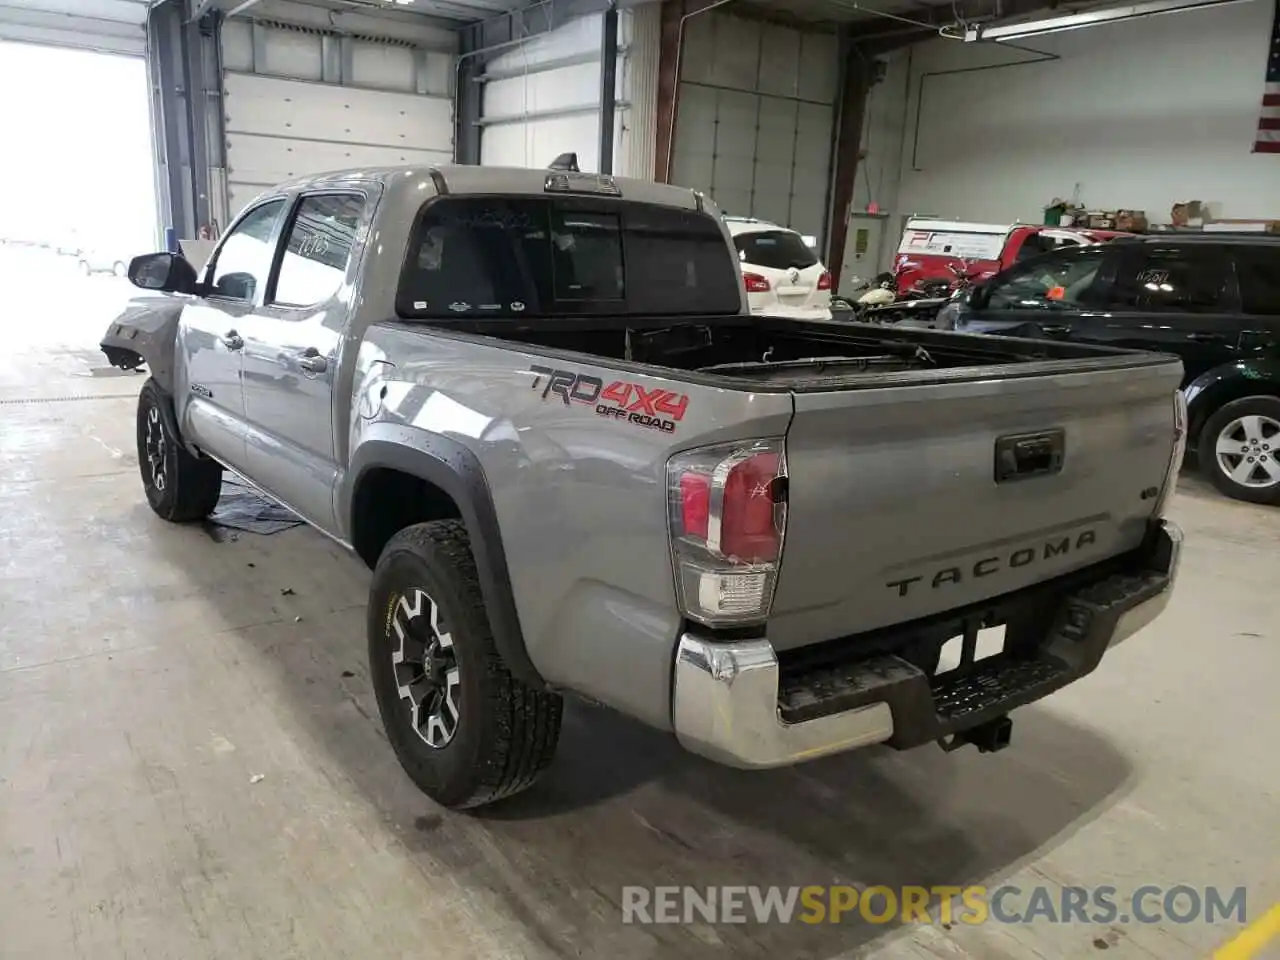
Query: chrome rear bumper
{"points": [[726, 698]]}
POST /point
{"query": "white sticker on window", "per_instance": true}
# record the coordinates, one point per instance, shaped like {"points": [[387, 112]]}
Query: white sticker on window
{"points": [[419, 304]]}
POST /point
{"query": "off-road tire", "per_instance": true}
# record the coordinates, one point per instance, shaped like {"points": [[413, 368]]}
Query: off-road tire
{"points": [[1206, 451], [187, 487], [506, 731]]}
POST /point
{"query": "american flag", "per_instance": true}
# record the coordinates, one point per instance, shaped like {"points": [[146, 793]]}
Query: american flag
{"points": [[1268, 138]]}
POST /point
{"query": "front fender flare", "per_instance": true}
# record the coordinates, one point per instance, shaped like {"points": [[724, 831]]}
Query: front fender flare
{"points": [[146, 332], [451, 467]]}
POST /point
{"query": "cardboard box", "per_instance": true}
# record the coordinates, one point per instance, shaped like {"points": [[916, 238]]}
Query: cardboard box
{"points": [[1134, 221]]}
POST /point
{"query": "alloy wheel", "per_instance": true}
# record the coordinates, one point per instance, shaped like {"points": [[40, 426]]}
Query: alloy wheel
{"points": [[156, 448], [1247, 449], [425, 666]]}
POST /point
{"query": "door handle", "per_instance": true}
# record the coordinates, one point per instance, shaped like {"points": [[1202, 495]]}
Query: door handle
{"points": [[312, 362], [232, 340]]}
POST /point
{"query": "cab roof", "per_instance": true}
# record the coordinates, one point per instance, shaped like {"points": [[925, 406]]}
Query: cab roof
{"points": [[468, 179]]}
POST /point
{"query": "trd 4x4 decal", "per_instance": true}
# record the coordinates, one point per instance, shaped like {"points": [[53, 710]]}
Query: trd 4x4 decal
{"points": [[620, 400]]}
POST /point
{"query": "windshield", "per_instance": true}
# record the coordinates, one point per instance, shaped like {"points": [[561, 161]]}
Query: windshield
{"points": [[493, 257], [776, 249]]}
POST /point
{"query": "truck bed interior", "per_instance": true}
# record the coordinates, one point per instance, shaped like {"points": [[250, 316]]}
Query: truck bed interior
{"points": [[784, 352]]}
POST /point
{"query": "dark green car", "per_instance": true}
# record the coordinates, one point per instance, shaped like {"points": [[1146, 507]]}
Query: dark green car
{"points": [[1211, 298]]}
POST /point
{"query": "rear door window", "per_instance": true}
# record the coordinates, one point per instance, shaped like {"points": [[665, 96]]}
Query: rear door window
{"points": [[486, 257], [1183, 279], [775, 249], [1258, 272], [317, 248]]}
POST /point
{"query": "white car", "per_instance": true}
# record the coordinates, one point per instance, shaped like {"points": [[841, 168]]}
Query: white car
{"points": [[784, 277]]}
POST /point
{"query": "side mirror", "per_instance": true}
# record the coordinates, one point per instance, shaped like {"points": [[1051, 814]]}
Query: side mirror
{"points": [[167, 272]]}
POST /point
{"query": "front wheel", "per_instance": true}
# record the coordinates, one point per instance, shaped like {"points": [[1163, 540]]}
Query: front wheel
{"points": [[1238, 448], [179, 485], [465, 730], [119, 269]]}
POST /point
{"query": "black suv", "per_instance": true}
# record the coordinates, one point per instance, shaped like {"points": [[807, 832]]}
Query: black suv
{"points": [[1211, 298]]}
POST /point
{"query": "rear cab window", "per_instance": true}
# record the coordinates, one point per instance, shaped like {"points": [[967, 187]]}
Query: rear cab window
{"points": [[482, 257], [775, 249]]}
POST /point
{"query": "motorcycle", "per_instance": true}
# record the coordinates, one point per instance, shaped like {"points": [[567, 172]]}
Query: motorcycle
{"points": [[920, 305], [876, 292]]}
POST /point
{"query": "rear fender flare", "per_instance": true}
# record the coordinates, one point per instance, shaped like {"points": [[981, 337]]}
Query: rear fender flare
{"points": [[1225, 383], [451, 467]]}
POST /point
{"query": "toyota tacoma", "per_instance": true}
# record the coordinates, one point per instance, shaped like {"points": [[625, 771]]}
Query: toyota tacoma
{"points": [[536, 404]]}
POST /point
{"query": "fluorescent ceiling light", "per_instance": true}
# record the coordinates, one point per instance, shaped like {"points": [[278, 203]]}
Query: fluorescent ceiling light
{"points": [[1092, 18]]}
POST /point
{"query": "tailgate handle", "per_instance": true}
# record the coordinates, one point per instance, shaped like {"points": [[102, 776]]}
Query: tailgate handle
{"points": [[1024, 455]]}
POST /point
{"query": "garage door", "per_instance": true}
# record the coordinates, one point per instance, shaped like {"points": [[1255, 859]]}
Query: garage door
{"points": [[299, 100], [108, 26], [754, 125], [542, 98]]}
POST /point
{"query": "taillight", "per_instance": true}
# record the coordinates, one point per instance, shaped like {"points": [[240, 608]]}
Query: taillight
{"points": [[824, 281], [1180, 429], [728, 513], [756, 283]]}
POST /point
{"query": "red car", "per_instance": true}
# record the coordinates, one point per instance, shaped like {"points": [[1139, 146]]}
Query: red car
{"points": [[939, 249]]}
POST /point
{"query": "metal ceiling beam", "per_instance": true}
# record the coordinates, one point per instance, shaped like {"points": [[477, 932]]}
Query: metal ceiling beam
{"points": [[924, 22], [1091, 18]]}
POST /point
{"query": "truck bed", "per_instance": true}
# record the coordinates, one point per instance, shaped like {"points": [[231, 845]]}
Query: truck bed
{"points": [[928, 470], [803, 356]]}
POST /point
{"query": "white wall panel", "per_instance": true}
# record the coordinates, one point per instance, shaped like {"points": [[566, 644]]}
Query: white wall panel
{"points": [[237, 45], [398, 25], [381, 103], [382, 65], [637, 127], [106, 26], [538, 86], [1139, 115], [278, 129], [818, 77], [577, 85], [754, 125], [779, 62]]}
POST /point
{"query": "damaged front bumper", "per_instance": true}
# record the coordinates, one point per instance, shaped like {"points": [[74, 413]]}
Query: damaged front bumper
{"points": [[735, 703]]}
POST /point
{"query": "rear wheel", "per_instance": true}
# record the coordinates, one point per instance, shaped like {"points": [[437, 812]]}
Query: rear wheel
{"points": [[179, 486], [1238, 448], [465, 730]]}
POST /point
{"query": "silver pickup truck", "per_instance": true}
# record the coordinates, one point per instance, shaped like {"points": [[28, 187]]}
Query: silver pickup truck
{"points": [[536, 405]]}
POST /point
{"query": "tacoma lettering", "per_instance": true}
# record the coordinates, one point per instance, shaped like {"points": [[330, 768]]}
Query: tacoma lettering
{"points": [[986, 566]]}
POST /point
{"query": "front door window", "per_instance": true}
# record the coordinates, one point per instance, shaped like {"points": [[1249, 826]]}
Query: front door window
{"points": [[1047, 283]]}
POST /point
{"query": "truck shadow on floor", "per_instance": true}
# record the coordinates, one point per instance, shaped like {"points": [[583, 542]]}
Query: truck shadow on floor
{"points": [[624, 805]]}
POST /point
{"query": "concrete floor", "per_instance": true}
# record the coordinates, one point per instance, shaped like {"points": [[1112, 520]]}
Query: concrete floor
{"points": [[148, 674]]}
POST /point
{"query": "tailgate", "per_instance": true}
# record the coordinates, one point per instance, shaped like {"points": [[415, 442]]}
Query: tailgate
{"points": [[895, 510]]}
